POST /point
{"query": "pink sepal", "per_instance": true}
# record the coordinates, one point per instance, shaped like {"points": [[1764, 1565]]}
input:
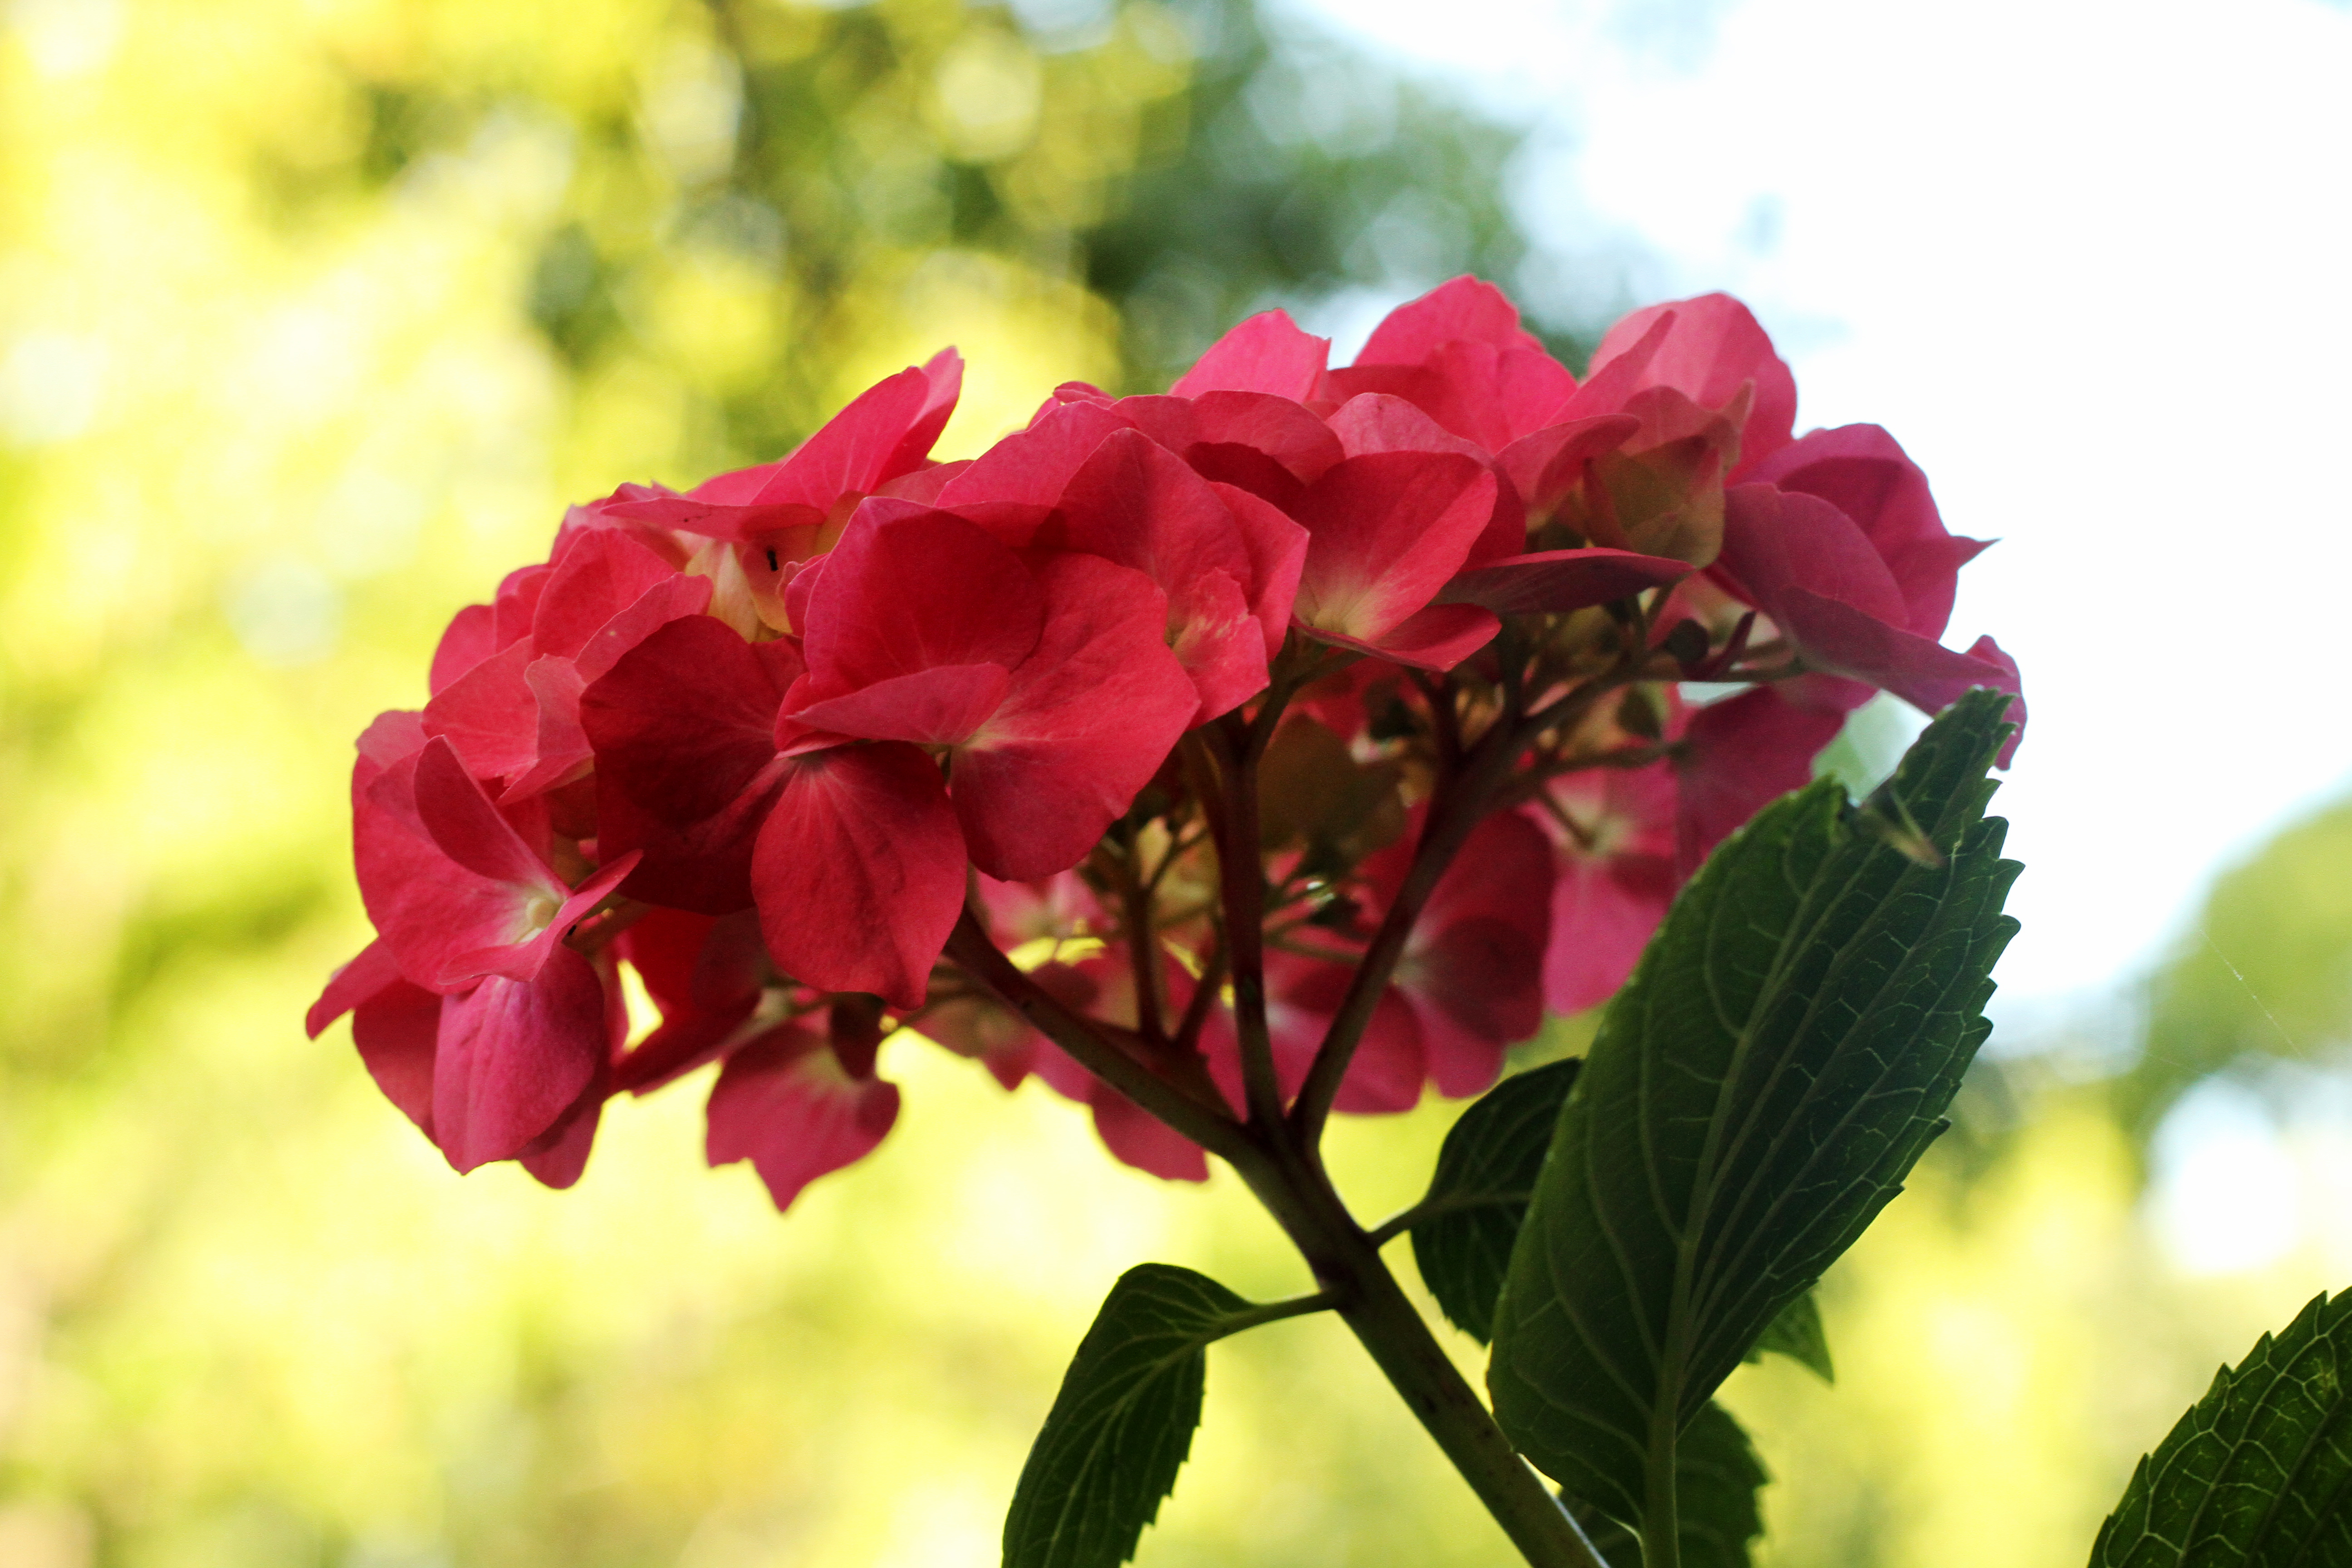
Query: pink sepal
{"points": [[1386, 532], [1089, 719], [859, 871], [370, 971], [513, 1056], [785, 1103], [1713, 347], [1267, 353], [1551, 581], [469, 640]]}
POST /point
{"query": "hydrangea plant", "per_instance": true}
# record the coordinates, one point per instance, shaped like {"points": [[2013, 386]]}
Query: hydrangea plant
{"points": [[1280, 745]]}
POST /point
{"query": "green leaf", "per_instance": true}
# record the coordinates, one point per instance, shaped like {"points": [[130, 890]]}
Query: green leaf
{"points": [[2259, 1473], [1717, 1478], [1485, 1171], [1784, 1050], [1122, 1423], [1797, 1333]]}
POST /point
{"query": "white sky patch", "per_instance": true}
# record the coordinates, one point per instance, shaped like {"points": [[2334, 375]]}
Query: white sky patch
{"points": [[2227, 1195], [2088, 260]]}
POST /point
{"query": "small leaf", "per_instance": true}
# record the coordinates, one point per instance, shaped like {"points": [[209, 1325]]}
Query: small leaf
{"points": [[1485, 1171], [1122, 1424], [1716, 1477], [1785, 1049], [2259, 1472], [1797, 1333]]}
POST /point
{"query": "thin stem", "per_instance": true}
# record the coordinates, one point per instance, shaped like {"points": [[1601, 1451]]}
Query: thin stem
{"points": [[1204, 996], [1445, 722], [1142, 944], [971, 950], [1241, 878], [1275, 1312], [1396, 1224], [1453, 813]]}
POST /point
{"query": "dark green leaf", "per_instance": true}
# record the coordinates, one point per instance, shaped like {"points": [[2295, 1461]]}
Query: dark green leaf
{"points": [[1784, 1050], [1716, 1477], [1797, 1334], [2259, 1473], [1122, 1423], [1485, 1172]]}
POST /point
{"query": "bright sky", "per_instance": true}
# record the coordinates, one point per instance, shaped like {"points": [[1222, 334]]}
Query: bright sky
{"points": [[2092, 263]]}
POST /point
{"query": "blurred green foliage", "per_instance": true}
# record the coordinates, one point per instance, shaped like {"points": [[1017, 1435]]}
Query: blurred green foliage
{"points": [[2265, 975], [313, 314]]}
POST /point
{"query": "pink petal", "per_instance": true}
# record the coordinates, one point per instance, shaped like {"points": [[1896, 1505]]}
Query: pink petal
{"points": [[371, 971], [396, 1032], [1226, 424], [1376, 423], [1011, 488], [1276, 548], [1737, 755], [557, 1156], [433, 912], [516, 603], [1462, 307], [784, 1103], [1713, 347], [1778, 543], [1477, 952], [1617, 372], [704, 866], [1861, 472], [1462, 1061], [943, 383], [1091, 715], [513, 1056], [1923, 672], [872, 440], [1387, 531], [859, 871], [903, 594], [1603, 911], [940, 705], [469, 640], [1558, 580], [735, 521], [1436, 639], [1138, 504], [1386, 1074], [684, 722], [490, 714], [467, 826], [1545, 465], [1139, 1139], [603, 572], [1267, 353]]}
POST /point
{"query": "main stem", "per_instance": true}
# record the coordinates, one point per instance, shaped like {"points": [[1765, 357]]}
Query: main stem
{"points": [[1368, 1298]]}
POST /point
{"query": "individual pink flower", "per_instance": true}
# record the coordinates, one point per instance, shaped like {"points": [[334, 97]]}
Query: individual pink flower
{"points": [[754, 529], [797, 1104], [506, 689], [1711, 350], [1822, 578], [1044, 681]]}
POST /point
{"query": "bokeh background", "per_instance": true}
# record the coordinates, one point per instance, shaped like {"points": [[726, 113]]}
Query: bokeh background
{"points": [[313, 314]]}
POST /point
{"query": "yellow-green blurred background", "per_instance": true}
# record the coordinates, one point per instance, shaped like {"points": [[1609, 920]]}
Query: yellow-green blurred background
{"points": [[313, 314]]}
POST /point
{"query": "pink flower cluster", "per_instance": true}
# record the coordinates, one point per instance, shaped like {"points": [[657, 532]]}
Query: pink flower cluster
{"points": [[768, 740]]}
